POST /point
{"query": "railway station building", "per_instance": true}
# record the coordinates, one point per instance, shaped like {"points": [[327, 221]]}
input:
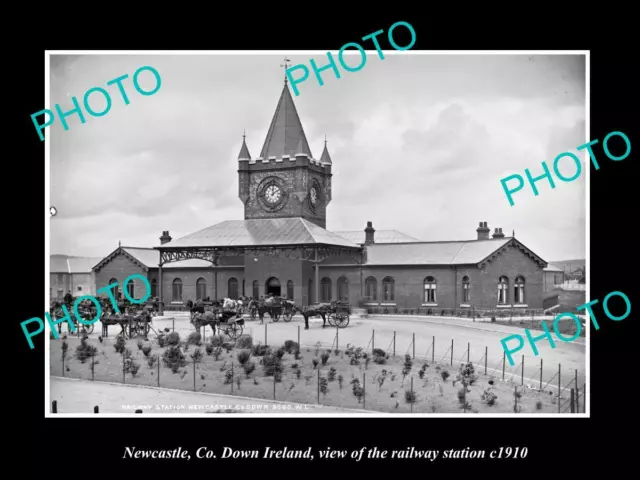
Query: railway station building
{"points": [[282, 247]]}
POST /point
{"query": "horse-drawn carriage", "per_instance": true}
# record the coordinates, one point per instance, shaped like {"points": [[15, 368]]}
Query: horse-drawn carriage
{"points": [[224, 316], [336, 312], [275, 307], [86, 309]]}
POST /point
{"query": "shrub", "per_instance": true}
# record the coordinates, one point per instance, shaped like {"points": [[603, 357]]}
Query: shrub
{"points": [[445, 374], [357, 389], [228, 377], [378, 352], [162, 340], [354, 361], [298, 372], [216, 353], [209, 349], [194, 338], [228, 346], [174, 358], [197, 355], [332, 374], [280, 353], [131, 366], [290, 346], [245, 341], [422, 371], [84, 351], [151, 361], [272, 365], [296, 354], [249, 367], [260, 350], [408, 364], [410, 396], [173, 339], [539, 405], [366, 362], [315, 362], [243, 357], [325, 357], [324, 386], [467, 375], [340, 381], [140, 344], [217, 340], [489, 397], [120, 344], [146, 350]]}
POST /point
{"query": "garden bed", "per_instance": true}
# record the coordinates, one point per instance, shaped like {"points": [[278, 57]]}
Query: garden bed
{"points": [[345, 378]]}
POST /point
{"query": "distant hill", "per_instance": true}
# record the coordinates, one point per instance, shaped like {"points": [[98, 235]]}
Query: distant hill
{"points": [[569, 265]]}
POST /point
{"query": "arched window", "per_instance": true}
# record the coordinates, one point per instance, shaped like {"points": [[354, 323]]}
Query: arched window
{"points": [[201, 289], [154, 288], [503, 290], [343, 289], [256, 289], [233, 288], [388, 287], [466, 290], [290, 290], [429, 290], [116, 290], [177, 290], [371, 289], [519, 290], [325, 289]]}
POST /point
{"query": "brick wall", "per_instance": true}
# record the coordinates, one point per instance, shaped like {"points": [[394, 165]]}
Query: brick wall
{"points": [[119, 268]]}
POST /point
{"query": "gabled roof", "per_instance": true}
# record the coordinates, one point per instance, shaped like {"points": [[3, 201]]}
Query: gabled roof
{"points": [[285, 135], [553, 268], [69, 264], [261, 232], [381, 236], [442, 253], [149, 258]]}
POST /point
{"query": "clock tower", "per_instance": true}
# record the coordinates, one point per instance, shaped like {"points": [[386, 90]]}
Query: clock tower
{"points": [[285, 181]]}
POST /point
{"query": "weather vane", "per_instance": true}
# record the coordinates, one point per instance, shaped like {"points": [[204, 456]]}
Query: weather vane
{"points": [[285, 66]]}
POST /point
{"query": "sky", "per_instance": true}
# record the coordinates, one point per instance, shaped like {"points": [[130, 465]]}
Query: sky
{"points": [[419, 144]]}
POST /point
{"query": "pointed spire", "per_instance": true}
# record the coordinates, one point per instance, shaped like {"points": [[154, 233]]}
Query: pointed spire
{"points": [[286, 135], [326, 158], [244, 150]]}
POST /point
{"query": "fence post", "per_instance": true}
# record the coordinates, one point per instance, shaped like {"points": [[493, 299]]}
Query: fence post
{"points": [[394, 343], [124, 377], [573, 405], [364, 391], [373, 340], [298, 337], [158, 371], [194, 374], [54, 406], [473, 310], [452, 352], [522, 372], [486, 357], [63, 363], [504, 355], [318, 384], [274, 376], [433, 349], [93, 375], [96, 409], [559, 386], [468, 351], [274, 383], [411, 395], [337, 330], [413, 342], [540, 374], [577, 391], [173, 324]]}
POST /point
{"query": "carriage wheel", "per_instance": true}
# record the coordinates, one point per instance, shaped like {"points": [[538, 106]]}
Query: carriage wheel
{"points": [[287, 316], [88, 329], [234, 331], [332, 319], [342, 321]]}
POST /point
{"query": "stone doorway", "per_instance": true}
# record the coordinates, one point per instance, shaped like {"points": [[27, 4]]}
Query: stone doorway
{"points": [[273, 286]]}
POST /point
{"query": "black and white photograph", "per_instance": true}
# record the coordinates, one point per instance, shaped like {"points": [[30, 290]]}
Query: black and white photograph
{"points": [[242, 242]]}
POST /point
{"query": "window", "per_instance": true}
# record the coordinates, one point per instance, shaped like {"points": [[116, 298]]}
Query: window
{"points": [[256, 289], [233, 288], [79, 288], [177, 290], [59, 278], [201, 289], [429, 290], [130, 289], [290, 290], [325, 289], [116, 289], [519, 290], [466, 290], [371, 289], [154, 288], [503, 290], [343, 289], [60, 294], [388, 287]]}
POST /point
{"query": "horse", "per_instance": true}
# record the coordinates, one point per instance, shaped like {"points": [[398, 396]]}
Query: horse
{"points": [[274, 308], [315, 310]]}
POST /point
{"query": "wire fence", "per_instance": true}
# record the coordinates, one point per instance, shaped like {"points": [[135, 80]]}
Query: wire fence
{"points": [[391, 373]]}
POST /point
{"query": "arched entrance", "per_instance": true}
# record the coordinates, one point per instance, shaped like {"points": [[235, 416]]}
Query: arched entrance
{"points": [[272, 286]]}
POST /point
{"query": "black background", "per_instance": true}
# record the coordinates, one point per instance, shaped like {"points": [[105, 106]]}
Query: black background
{"points": [[95, 447]]}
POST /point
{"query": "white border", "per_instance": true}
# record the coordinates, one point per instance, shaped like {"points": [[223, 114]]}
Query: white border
{"points": [[47, 249]]}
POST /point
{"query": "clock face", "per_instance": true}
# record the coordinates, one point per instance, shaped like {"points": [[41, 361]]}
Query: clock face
{"points": [[272, 194]]}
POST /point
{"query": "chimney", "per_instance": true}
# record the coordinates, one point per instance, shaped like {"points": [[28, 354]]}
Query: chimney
{"points": [[483, 231], [165, 238], [368, 234], [498, 233]]}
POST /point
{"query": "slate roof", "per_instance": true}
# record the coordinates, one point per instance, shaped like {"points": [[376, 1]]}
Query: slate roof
{"points": [[381, 236], [553, 268], [434, 253], [67, 264], [261, 232], [285, 135]]}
